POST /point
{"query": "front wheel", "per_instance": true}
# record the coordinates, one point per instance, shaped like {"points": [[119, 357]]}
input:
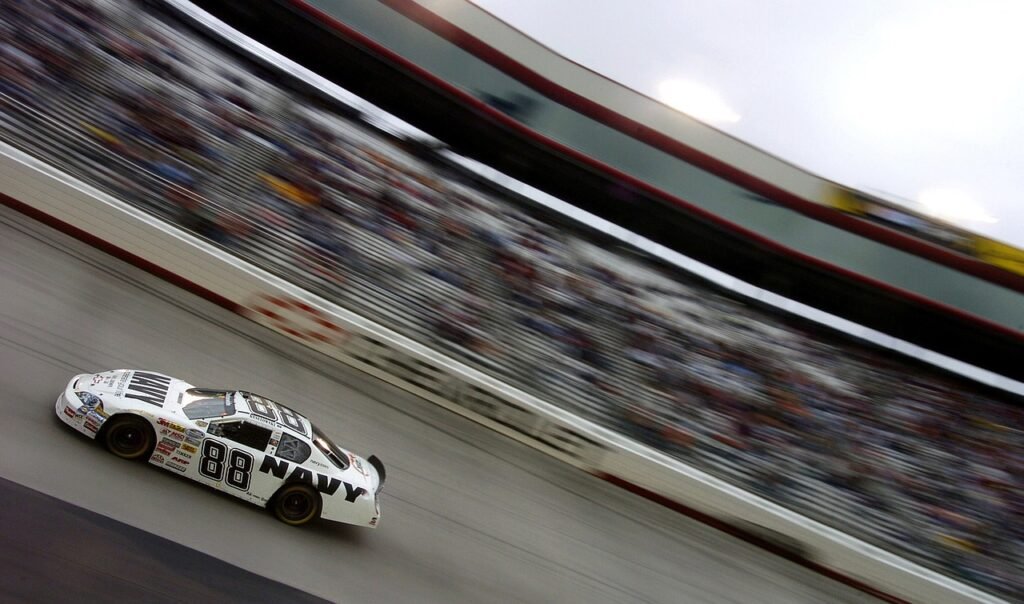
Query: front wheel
{"points": [[129, 437], [296, 504]]}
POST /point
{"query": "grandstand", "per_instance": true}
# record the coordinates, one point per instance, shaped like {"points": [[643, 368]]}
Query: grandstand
{"points": [[416, 63], [919, 462]]}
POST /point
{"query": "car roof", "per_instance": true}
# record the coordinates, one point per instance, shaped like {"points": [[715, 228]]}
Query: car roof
{"points": [[245, 409]]}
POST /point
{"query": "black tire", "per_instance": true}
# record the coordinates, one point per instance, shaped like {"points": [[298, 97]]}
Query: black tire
{"points": [[129, 437], [296, 504]]}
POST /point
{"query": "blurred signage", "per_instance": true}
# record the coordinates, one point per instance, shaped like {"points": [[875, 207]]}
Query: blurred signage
{"points": [[303, 322], [999, 254], [987, 250], [900, 218]]}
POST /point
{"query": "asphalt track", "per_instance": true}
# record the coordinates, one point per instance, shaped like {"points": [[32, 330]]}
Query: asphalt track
{"points": [[59, 552], [468, 515]]}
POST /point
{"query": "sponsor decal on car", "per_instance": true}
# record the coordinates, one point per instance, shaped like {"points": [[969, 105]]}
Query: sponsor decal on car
{"points": [[202, 424], [263, 420], [92, 422], [171, 425], [68, 411], [181, 460], [327, 485], [119, 391], [167, 445], [188, 448], [148, 387], [194, 437], [157, 458], [175, 466]]}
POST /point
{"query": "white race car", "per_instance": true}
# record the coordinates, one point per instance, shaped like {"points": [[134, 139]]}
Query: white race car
{"points": [[234, 441]]}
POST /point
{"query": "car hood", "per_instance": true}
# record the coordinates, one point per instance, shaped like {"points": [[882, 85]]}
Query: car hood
{"points": [[133, 386]]}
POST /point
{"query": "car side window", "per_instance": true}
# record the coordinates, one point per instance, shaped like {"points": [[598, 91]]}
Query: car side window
{"points": [[292, 449], [242, 432]]}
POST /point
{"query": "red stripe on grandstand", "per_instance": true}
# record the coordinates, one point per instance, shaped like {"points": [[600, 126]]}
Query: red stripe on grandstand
{"points": [[639, 131], [751, 538], [122, 254], [374, 48]]}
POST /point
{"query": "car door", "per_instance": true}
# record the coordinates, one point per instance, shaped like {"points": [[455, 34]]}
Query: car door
{"points": [[284, 460], [231, 452]]}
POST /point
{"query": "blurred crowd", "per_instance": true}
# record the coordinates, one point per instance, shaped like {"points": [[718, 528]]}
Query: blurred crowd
{"points": [[900, 456]]}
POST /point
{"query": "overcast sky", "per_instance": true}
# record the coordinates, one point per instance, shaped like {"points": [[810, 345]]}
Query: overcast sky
{"points": [[910, 98]]}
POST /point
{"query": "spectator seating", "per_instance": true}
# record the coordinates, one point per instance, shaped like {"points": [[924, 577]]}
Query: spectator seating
{"points": [[919, 463]]}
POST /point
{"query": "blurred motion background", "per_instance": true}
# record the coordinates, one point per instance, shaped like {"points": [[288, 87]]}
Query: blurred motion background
{"points": [[923, 463]]}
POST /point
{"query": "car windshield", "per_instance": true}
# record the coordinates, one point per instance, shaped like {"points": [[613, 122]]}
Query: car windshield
{"points": [[329, 449], [201, 403]]}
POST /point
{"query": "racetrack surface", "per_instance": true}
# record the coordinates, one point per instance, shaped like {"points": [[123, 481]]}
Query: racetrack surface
{"points": [[54, 551], [467, 514]]}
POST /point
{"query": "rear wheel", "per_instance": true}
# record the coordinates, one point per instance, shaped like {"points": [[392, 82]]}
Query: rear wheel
{"points": [[129, 437], [296, 504]]}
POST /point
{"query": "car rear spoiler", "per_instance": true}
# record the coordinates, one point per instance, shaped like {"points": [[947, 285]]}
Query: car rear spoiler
{"points": [[377, 465]]}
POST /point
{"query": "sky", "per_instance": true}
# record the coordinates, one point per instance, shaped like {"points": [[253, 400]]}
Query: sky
{"points": [[920, 101]]}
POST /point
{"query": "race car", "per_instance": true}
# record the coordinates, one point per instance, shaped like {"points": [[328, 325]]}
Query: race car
{"points": [[235, 441]]}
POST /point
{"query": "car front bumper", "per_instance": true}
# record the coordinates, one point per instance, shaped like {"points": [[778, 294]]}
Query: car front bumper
{"points": [[69, 408]]}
